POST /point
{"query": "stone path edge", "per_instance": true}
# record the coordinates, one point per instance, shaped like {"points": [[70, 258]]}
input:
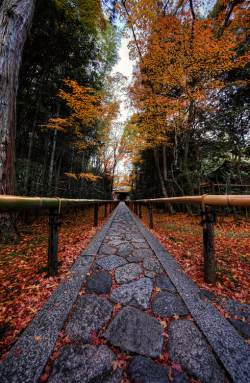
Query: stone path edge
{"points": [[229, 346], [29, 364]]}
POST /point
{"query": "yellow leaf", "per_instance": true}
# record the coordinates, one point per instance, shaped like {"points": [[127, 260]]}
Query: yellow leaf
{"points": [[37, 338], [163, 323], [176, 317]]}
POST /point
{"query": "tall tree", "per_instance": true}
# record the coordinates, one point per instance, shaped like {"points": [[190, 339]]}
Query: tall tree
{"points": [[15, 20]]}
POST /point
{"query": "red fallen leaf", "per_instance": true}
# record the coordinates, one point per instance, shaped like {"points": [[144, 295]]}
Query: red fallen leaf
{"points": [[96, 341], [169, 375], [44, 377], [164, 334], [165, 353], [17, 352], [176, 367]]}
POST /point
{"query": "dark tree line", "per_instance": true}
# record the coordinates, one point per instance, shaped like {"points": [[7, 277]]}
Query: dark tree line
{"points": [[59, 40]]}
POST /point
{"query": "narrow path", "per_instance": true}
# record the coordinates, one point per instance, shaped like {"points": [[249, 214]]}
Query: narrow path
{"points": [[137, 317]]}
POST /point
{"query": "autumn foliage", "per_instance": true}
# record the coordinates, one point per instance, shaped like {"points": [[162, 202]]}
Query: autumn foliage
{"points": [[184, 52]]}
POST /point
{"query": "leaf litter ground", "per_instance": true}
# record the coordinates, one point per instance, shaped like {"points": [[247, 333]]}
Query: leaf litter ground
{"points": [[182, 237], [24, 285]]}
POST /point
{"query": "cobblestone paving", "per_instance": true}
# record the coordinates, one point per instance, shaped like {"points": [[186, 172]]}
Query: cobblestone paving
{"points": [[129, 304]]}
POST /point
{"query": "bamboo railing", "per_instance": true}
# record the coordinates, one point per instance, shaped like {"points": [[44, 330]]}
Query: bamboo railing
{"points": [[13, 204], [206, 201]]}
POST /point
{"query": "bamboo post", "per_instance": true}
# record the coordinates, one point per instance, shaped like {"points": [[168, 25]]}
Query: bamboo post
{"points": [[208, 247], [106, 210], [139, 210], [96, 214], [151, 222], [110, 209], [53, 242], [136, 212]]}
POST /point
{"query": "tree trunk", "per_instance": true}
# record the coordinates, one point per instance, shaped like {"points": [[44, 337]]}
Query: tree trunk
{"points": [[58, 172], [163, 189], [82, 179], [53, 153], [31, 144], [15, 21], [165, 169]]}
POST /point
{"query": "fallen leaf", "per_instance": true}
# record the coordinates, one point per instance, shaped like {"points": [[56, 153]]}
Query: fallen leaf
{"points": [[17, 352], [169, 375], [176, 367], [114, 364], [37, 338], [161, 357], [57, 304], [164, 334], [176, 317], [163, 323]]}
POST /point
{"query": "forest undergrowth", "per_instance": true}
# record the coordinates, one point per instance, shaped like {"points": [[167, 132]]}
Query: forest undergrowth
{"points": [[182, 237], [23, 268]]}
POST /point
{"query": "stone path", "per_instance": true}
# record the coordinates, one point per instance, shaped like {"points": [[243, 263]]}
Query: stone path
{"points": [[136, 314]]}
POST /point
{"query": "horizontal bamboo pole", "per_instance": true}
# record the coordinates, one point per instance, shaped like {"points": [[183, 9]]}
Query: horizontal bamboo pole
{"points": [[10, 203], [211, 200]]}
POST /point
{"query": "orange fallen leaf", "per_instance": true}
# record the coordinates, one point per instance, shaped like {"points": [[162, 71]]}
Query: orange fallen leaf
{"points": [[37, 338]]}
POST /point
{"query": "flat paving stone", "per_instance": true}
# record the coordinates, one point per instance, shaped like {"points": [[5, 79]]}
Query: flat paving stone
{"points": [[187, 347], [127, 273], [107, 250], [164, 283], [140, 245], [135, 294], [134, 331], [143, 253], [113, 238], [242, 310], [110, 263], [91, 313], [125, 246], [124, 253], [138, 240], [150, 274], [134, 259], [243, 327], [116, 242], [99, 283], [167, 304], [144, 370], [152, 264], [86, 364], [133, 236]]}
